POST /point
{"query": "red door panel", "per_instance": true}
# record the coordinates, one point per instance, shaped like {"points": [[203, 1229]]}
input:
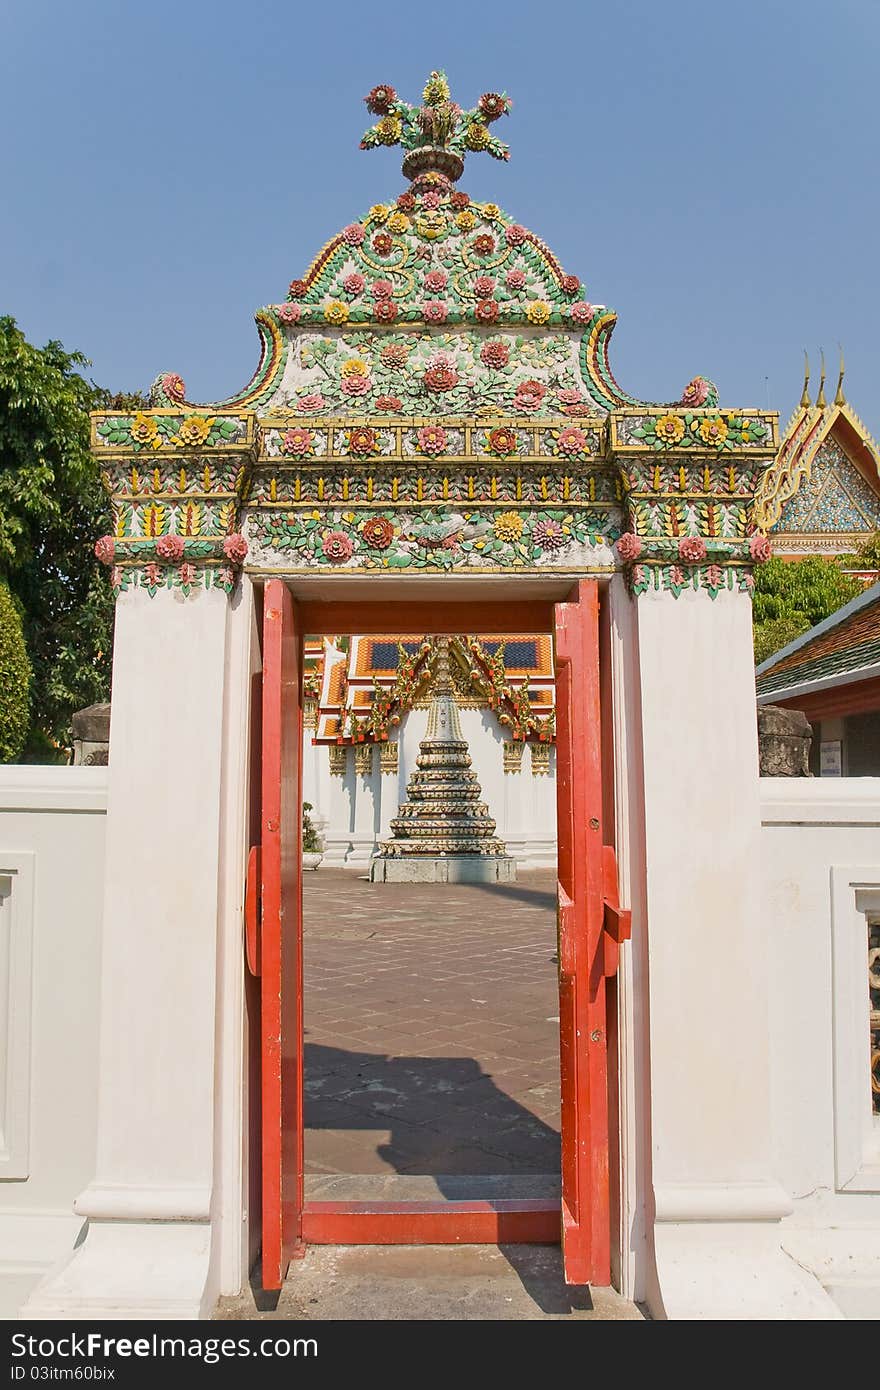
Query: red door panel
{"points": [[280, 943], [582, 1024]]}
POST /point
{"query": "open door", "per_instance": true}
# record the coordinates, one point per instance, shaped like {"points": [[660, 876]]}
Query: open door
{"points": [[581, 912], [280, 947]]}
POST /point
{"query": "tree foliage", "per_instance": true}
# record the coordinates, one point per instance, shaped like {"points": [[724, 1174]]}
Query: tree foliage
{"points": [[52, 508], [792, 595], [15, 680]]}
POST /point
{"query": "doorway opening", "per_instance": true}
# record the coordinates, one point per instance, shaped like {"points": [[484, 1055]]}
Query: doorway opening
{"points": [[589, 927]]}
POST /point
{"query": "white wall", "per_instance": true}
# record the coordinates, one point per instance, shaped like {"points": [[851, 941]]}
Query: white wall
{"points": [[52, 823], [820, 865], [355, 811]]}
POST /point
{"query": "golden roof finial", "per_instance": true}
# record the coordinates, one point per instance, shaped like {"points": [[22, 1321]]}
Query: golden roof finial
{"points": [[805, 394], [839, 397], [820, 399]]}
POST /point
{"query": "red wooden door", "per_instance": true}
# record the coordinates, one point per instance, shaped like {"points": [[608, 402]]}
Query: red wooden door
{"points": [[582, 1023], [281, 935]]}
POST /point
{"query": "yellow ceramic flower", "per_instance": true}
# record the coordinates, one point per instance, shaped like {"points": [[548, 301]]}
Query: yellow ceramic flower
{"points": [[538, 311], [194, 430], [491, 211], [713, 430], [355, 367], [144, 429], [398, 222], [508, 526], [378, 212], [388, 130], [436, 89], [669, 428], [477, 137], [465, 220], [334, 312]]}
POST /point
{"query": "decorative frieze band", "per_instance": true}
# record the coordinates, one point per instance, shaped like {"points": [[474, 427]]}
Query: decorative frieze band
{"points": [[193, 493]]}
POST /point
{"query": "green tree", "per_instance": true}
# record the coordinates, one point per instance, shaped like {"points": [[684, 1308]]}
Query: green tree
{"points": [[52, 508], [15, 680], [792, 595]]}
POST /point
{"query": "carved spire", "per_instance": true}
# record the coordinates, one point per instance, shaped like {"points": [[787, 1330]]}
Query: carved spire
{"points": [[821, 402], [839, 397], [805, 394]]}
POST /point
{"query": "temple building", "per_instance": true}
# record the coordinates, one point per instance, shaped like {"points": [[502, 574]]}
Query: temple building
{"points": [[821, 495]]}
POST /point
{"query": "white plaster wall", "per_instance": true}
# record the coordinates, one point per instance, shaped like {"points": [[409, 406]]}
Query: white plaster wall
{"points": [[356, 811], [817, 838], [52, 820]]}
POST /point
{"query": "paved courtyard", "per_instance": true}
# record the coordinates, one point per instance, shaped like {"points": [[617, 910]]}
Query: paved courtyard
{"points": [[431, 1038]]}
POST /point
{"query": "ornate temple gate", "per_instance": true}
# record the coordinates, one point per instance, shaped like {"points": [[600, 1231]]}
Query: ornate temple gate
{"points": [[274, 919], [433, 414]]}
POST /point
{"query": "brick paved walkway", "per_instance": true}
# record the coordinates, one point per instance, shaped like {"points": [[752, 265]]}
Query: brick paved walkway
{"points": [[431, 1032]]}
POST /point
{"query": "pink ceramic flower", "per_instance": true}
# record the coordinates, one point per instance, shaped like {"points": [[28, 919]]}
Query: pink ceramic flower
{"points": [[169, 547], [549, 534], [692, 550], [529, 395], [432, 439], [382, 289], [629, 547], [353, 284], [105, 550], [484, 286], [235, 548], [307, 405], [677, 576], [714, 576], [515, 234], [638, 574], [495, 355], [581, 311], [569, 396], [173, 386], [356, 385], [353, 234], [515, 279], [436, 280], [289, 313], [760, 549], [573, 441], [441, 373], [337, 546], [296, 441], [434, 311], [695, 393], [153, 574], [187, 574], [430, 200]]}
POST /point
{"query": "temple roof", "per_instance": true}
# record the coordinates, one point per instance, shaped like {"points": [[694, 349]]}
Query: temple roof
{"points": [[364, 685], [842, 648], [824, 484]]}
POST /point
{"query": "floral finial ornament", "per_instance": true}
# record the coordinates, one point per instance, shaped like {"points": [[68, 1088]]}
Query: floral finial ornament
{"points": [[437, 134]]}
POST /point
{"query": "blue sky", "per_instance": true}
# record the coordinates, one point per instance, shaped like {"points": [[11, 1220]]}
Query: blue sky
{"points": [[709, 170]]}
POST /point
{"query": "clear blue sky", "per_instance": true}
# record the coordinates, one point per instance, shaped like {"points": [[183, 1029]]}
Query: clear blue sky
{"points": [[709, 170]]}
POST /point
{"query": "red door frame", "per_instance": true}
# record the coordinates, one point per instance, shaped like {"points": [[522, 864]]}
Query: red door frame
{"points": [[587, 931]]}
